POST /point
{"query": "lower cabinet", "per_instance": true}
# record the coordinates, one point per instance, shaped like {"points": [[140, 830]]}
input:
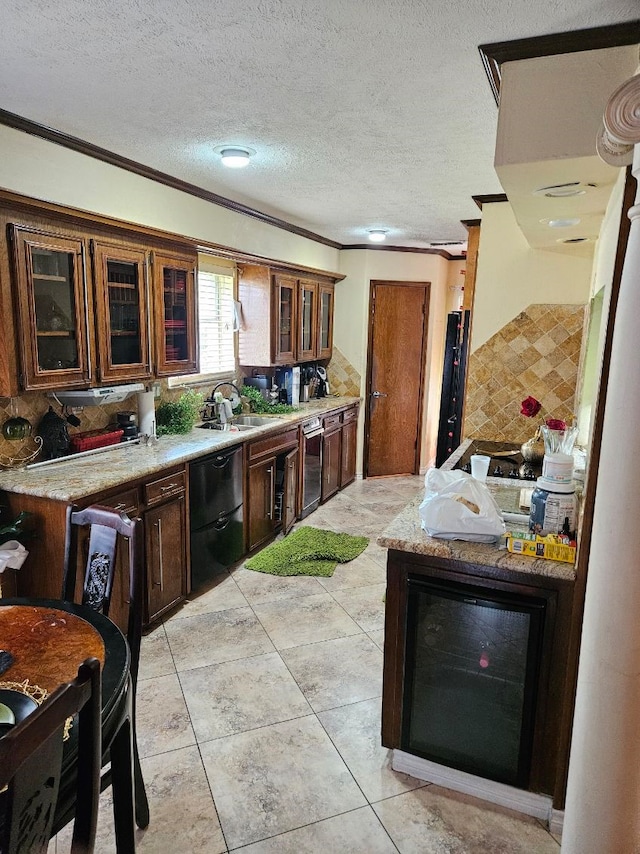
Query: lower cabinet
{"points": [[272, 481], [331, 453], [348, 450], [165, 526], [339, 451]]}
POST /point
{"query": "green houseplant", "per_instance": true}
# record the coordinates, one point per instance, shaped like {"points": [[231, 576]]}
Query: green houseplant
{"points": [[179, 416]]}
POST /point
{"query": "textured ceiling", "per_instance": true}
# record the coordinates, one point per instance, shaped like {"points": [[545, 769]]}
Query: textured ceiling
{"points": [[363, 113]]}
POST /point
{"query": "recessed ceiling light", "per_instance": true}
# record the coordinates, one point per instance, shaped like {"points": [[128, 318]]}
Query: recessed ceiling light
{"points": [[235, 156], [564, 191], [561, 223], [377, 235]]}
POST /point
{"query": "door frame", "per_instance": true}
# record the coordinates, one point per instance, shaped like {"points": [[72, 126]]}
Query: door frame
{"points": [[373, 284]]}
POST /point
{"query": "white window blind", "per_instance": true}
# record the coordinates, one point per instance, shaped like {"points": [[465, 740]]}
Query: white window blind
{"points": [[216, 316]]}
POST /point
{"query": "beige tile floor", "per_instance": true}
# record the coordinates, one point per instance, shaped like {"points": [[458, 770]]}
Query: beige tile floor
{"points": [[259, 719]]}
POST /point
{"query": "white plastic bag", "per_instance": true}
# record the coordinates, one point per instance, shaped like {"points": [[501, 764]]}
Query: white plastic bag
{"points": [[12, 555], [456, 506]]}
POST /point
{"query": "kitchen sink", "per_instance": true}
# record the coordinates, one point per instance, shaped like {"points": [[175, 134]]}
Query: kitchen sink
{"points": [[225, 428], [255, 420]]}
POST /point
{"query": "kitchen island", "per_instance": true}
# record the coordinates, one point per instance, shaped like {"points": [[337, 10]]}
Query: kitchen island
{"points": [[479, 636]]}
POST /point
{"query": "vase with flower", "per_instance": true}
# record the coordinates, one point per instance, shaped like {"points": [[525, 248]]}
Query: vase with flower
{"points": [[552, 444]]}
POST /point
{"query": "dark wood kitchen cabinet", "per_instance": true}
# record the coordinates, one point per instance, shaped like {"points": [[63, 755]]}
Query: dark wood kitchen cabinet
{"points": [[287, 317], [272, 485], [122, 311], [91, 302], [175, 313], [165, 525], [348, 448], [324, 340], [54, 324], [331, 456], [307, 320]]}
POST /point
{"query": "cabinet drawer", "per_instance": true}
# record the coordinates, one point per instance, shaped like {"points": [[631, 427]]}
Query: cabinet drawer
{"points": [[349, 414], [273, 444], [332, 421], [126, 501], [166, 487]]}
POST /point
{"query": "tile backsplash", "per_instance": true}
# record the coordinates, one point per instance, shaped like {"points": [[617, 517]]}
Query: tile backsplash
{"points": [[343, 378], [33, 405], [537, 354]]}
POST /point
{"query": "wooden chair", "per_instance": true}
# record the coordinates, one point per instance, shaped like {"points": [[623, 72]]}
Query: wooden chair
{"points": [[30, 765], [108, 530]]}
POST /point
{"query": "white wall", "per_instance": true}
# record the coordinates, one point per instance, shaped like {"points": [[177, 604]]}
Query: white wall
{"points": [[511, 275], [352, 318], [43, 170]]}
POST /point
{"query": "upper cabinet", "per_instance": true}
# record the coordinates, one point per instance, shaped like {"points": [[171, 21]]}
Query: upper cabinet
{"points": [[175, 313], [283, 334], [285, 318], [52, 303], [90, 308], [122, 311], [325, 321]]}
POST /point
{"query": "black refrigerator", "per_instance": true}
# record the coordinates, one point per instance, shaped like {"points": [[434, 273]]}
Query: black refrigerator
{"points": [[453, 380]]}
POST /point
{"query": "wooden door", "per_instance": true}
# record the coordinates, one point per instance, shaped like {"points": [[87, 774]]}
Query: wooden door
{"points": [[307, 320], [122, 311], [398, 317]]}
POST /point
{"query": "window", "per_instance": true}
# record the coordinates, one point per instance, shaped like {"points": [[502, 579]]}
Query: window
{"points": [[216, 322]]}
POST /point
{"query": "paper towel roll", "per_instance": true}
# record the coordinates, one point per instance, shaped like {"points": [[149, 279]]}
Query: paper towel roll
{"points": [[146, 413]]}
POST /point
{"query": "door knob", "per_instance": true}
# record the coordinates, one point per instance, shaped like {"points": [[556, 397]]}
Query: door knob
{"points": [[378, 394]]}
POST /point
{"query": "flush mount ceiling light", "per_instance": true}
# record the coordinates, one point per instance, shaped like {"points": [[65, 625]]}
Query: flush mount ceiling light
{"points": [[235, 156], [564, 191], [561, 223], [377, 235]]}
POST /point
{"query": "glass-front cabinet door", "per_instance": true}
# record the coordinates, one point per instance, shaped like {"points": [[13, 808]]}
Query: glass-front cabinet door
{"points": [[52, 309], [325, 321], [122, 316], [285, 298], [175, 314], [307, 320]]}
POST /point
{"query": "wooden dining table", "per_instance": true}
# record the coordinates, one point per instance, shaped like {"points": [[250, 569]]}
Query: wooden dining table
{"points": [[48, 640]]}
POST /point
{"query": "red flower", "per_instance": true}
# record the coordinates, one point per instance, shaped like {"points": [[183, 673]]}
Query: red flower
{"points": [[530, 407], [556, 424]]}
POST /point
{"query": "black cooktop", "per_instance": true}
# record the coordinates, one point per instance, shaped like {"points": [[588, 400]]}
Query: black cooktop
{"points": [[506, 460]]}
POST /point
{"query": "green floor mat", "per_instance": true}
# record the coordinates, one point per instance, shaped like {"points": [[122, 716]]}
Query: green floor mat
{"points": [[308, 551]]}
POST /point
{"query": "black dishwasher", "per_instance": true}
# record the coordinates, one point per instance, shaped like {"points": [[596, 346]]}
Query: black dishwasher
{"points": [[215, 497]]}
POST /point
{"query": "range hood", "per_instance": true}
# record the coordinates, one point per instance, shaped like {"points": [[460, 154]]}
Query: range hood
{"points": [[96, 396]]}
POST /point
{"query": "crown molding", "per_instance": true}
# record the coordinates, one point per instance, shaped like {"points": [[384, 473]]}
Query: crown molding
{"points": [[83, 147], [489, 199], [594, 38], [415, 249]]}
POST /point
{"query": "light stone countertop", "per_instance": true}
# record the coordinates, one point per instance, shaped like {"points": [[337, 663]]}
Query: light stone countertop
{"points": [[405, 534], [74, 478]]}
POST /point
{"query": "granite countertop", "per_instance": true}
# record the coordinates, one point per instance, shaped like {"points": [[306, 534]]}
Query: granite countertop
{"points": [[405, 534], [77, 477]]}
